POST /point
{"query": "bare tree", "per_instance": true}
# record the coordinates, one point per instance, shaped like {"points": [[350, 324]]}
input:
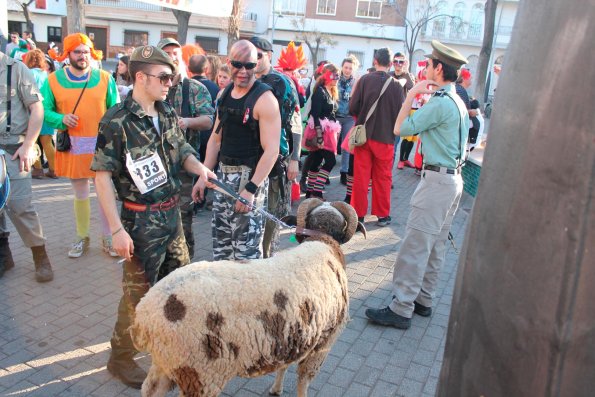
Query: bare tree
{"points": [[75, 10], [183, 18], [421, 13], [313, 38], [233, 23], [25, 7], [486, 49]]}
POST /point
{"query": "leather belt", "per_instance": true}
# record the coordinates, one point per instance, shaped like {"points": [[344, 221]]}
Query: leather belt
{"points": [[443, 170], [162, 206]]}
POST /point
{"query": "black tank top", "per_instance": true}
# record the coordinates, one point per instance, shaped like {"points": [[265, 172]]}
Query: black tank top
{"points": [[240, 144]]}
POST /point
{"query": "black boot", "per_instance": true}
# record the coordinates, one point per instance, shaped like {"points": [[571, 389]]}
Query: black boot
{"points": [[344, 178], [6, 261], [43, 268]]}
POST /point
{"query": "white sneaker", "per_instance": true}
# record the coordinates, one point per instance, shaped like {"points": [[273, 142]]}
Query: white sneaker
{"points": [[79, 248], [108, 248]]}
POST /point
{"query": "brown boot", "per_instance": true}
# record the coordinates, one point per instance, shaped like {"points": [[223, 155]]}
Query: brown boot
{"points": [[37, 173], [43, 268], [127, 371], [6, 261], [51, 174]]}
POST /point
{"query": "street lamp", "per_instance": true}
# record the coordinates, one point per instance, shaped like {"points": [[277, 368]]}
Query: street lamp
{"points": [[276, 16]]}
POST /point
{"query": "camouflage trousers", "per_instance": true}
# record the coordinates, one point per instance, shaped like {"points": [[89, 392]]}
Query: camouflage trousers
{"points": [[159, 249], [237, 236], [279, 205], [187, 208]]}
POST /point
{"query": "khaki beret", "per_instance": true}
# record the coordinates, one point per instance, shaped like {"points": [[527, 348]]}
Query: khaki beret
{"points": [[152, 55], [446, 55]]}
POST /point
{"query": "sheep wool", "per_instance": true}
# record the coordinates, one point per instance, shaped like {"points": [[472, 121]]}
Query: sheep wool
{"points": [[211, 321]]}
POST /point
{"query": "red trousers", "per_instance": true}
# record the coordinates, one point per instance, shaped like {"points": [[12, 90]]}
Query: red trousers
{"points": [[373, 160]]}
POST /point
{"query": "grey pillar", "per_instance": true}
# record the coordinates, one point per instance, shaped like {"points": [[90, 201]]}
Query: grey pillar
{"points": [[523, 311]]}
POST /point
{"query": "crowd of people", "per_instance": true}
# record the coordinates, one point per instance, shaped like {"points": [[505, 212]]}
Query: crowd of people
{"points": [[171, 120]]}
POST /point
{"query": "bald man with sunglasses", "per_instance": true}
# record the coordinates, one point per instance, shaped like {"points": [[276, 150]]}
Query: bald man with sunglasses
{"points": [[246, 139]]}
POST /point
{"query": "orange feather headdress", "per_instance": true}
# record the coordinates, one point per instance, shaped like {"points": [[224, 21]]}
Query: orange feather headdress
{"points": [[292, 58]]}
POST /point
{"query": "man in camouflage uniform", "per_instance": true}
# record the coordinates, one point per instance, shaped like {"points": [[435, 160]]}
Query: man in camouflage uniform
{"points": [[248, 146], [200, 119], [279, 195], [141, 149]]}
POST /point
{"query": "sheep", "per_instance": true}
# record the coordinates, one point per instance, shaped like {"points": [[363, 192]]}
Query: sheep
{"points": [[208, 322]]}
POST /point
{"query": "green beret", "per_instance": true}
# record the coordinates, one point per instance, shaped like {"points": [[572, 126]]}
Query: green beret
{"points": [[168, 41], [447, 55], [152, 55]]}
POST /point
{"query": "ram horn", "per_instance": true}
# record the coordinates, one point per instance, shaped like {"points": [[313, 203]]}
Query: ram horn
{"points": [[350, 217]]}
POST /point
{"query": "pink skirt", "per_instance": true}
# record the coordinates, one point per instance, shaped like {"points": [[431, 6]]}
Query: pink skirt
{"points": [[330, 134]]}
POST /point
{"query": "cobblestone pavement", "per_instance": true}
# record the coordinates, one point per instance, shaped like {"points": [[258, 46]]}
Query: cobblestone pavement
{"points": [[54, 337]]}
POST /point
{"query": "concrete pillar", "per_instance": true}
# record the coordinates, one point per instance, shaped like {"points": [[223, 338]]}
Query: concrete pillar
{"points": [[523, 311]]}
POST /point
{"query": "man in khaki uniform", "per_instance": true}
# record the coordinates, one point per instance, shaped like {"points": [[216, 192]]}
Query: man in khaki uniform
{"points": [[21, 116]]}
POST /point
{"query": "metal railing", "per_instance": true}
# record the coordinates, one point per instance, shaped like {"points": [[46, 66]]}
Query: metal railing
{"points": [[133, 4]]}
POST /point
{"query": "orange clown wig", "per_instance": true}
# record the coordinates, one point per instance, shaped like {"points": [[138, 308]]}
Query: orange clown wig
{"points": [[71, 42], [188, 50]]}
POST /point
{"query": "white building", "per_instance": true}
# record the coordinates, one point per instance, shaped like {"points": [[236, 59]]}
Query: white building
{"points": [[357, 27], [464, 32], [46, 16]]}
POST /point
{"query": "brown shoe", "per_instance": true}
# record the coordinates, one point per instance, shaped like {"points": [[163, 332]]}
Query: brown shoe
{"points": [[43, 268], [127, 371], [51, 174], [37, 173]]}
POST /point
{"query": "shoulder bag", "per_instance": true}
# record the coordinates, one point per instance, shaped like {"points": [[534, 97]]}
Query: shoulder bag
{"points": [[63, 139], [357, 135]]}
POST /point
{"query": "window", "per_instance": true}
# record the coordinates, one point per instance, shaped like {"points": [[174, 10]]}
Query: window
{"points": [[209, 44], [439, 24], [326, 7], [476, 24], [54, 34], [290, 7], [456, 23], [369, 9], [359, 55], [135, 38]]}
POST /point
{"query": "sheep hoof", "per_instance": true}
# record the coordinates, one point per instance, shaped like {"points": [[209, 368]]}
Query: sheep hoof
{"points": [[273, 392]]}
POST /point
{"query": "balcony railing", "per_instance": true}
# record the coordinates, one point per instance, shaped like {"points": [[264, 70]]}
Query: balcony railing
{"points": [[133, 4], [474, 32]]}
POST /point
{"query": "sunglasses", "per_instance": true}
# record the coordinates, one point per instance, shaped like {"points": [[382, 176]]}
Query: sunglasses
{"points": [[163, 78], [399, 62], [239, 65]]}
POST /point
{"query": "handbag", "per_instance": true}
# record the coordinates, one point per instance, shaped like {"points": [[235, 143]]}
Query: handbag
{"points": [[357, 135], [63, 139]]}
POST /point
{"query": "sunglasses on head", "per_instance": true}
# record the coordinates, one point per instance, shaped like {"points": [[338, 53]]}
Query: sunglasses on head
{"points": [[239, 65], [399, 61], [163, 78]]}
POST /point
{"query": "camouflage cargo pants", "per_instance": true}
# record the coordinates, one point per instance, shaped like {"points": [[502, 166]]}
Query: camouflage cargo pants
{"points": [[159, 249], [237, 236], [187, 208], [279, 204]]}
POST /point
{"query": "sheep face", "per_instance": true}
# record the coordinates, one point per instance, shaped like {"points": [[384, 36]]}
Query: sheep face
{"points": [[327, 219]]}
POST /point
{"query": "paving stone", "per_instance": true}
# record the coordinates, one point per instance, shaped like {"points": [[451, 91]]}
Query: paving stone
{"points": [[63, 328]]}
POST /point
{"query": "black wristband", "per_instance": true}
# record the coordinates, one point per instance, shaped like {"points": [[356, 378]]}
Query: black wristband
{"points": [[251, 187]]}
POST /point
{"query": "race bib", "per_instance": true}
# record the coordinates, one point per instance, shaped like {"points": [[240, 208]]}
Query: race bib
{"points": [[147, 172]]}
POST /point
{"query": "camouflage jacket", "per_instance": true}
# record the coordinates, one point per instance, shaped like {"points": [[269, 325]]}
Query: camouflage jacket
{"points": [[126, 127], [199, 99]]}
